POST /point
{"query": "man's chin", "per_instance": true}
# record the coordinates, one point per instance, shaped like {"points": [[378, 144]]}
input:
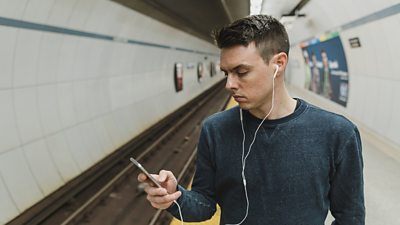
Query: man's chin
{"points": [[244, 106]]}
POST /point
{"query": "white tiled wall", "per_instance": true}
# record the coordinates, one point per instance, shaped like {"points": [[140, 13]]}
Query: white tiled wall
{"points": [[80, 153], [68, 101], [37, 10], [7, 205], [19, 179], [60, 13], [48, 108], [27, 114], [102, 136], [66, 104], [66, 58], [48, 58], [62, 157], [393, 129], [7, 42], [374, 80], [42, 166], [8, 133], [26, 53], [80, 14], [13, 9]]}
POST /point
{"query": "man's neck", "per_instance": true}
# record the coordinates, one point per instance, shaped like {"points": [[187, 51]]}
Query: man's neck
{"points": [[284, 105]]}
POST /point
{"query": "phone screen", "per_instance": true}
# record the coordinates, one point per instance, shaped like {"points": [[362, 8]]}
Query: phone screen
{"points": [[145, 172]]}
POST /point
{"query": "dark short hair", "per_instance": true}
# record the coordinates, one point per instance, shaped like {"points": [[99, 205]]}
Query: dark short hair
{"points": [[268, 33]]}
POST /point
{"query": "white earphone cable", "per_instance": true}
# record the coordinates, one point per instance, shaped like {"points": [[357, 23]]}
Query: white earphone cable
{"points": [[180, 211], [251, 144]]}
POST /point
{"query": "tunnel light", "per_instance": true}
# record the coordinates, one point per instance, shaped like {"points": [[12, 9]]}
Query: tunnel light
{"points": [[288, 19], [255, 7]]}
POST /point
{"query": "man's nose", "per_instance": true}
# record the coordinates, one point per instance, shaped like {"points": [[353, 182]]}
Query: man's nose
{"points": [[231, 83]]}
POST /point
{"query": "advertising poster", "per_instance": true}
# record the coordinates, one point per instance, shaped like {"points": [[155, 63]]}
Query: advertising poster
{"points": [[326, 68], [212, 69], [178, 76], [200, 71]]}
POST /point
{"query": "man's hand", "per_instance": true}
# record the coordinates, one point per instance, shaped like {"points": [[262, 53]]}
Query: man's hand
{"points": [[161, 198]]}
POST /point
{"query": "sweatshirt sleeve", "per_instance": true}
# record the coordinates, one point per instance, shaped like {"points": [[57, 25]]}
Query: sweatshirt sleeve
{"points": [[347, 184], [199, 203]]}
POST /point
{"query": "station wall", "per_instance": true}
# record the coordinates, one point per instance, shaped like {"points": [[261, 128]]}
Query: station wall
{"points": [[373, 70], [78, 80]]}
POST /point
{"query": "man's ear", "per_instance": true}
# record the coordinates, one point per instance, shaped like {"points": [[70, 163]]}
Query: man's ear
{"points": [[280, 59]]}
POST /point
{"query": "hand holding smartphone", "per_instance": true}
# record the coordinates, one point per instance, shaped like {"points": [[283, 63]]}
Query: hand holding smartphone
{"points": [[154, 181]]}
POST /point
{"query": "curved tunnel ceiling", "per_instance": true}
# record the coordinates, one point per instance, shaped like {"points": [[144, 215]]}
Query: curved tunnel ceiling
{"points": [[196, 17]]}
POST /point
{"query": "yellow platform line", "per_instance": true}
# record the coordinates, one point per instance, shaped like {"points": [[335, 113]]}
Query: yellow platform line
{"points": [[231, 103], [215, 219]]}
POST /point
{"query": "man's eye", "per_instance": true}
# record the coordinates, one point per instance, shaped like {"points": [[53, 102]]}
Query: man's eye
{"points": [[242, 73]]}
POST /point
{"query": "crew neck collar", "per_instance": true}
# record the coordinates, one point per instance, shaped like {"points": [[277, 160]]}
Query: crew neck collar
{"points": [[300, 107]]}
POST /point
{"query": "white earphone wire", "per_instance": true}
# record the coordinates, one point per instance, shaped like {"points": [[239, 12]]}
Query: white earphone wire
{"points": [[180, 211], [244, 158]]}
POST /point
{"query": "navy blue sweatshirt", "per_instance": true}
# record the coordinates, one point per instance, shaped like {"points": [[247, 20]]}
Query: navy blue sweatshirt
{"points": [[300, 166]]}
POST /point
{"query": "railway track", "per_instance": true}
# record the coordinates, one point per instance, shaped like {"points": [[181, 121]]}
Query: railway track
{"points": [[108, 193]]}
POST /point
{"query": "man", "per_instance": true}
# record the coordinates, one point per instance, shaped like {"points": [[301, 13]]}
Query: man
{"points": [[315, 76], [327, 81], [307, 83], [273, 160]]}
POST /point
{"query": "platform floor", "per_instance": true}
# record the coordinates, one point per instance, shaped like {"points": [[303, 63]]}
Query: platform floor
{"points": [[382, 185]]}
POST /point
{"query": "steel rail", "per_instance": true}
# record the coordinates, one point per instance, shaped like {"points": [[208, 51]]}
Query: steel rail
{"points": [[180, 176], [78, 213], [157, 215]]}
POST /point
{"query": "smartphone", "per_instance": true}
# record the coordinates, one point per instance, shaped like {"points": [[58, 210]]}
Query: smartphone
{"points": [[145, 172]]}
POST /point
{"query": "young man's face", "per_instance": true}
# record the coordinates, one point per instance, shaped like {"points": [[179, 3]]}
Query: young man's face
{"points": [[249, 78], [324, 59]]}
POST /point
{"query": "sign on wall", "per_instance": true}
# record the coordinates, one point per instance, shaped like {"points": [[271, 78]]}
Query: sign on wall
{"points": [[355, 42], [200, 71], [212, 69], [178, 76], [326, 68]]}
